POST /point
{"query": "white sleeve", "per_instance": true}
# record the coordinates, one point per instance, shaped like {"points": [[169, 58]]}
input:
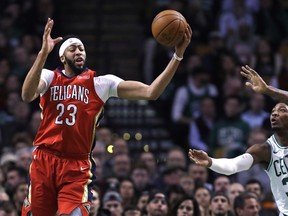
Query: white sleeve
{"points": [[106, 86], [230, 166], [47, 76]]}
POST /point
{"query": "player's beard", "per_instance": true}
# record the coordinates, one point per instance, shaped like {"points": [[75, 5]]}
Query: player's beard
{"points": [[74, 68]]}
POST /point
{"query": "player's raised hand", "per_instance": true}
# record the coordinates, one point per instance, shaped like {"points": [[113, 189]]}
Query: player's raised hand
{"points": [[256, 83], [48, 43], [200, 157], [181, 47]]}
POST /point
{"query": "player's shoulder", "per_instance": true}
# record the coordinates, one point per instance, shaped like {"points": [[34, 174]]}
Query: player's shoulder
{"points": [[260, 151], [107, 78]]}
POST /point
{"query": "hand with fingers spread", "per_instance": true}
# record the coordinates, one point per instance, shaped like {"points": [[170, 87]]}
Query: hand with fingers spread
{"points": [[256, 83], [48, 43], [200, 157]]}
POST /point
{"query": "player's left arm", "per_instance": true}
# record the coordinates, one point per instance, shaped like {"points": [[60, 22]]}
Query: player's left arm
{"points": [[138, 90]]}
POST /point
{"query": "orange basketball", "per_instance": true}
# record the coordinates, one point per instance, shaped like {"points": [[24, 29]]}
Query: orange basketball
{"points": [[168, 27]]}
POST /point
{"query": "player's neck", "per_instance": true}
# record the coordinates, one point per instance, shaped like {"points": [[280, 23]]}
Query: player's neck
{"points": [[281, 137]]}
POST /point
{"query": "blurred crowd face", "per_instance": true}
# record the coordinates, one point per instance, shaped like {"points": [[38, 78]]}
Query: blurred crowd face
{"points": [[142, 201], [221, 183], [126, 189], [157, 206], [140, 178], [202, 195], [115, 207], [176, 158], [121, 165], [149, 159], [219, 205], [95, 202], [21, 193], [186, 208], [234, 190], [254, 188], [251, 208], [198, 173]]}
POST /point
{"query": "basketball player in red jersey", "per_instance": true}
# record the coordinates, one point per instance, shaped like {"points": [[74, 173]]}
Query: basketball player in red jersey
{"points": [[72, 99]]}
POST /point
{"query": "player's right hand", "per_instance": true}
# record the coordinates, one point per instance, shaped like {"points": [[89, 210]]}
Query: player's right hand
{"points": [[200, 157], [48, 43], [256, 83], [181, 47]]}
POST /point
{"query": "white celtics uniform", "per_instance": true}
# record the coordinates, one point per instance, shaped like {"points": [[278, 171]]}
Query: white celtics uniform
{"points": [[278, 174]]}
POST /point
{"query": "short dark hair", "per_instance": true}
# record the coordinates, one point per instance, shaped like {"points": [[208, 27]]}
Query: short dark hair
{"points": [[239, 200], [254, 181]]}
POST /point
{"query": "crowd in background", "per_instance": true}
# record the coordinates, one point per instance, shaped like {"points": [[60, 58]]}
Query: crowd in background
{"points": [[206, 106]]}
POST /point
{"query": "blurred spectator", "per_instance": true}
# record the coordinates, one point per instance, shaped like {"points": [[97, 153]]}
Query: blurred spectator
{"points": [[256, 135], [19, 194], [3, 196], [200, 175], [270, 21], [157, 204], [7, 209], [113, 202], [186, 102], [20, 62], [132, 211], [21, 140], [174, 193], [221, 184], [211, 58], [6, 113], [34, 123], [186, 205], [24, 157], [187, 183], [176, 157], [265, 62], [234, 190], [201, 127], [220, 205], [121, 166], [246, 204], [203, 196], [255, 114], [169, 176], [142, 201], [95, 202], [229, 21], [120, 146], [267, 203], [21, 112], [229, 134], [12, 83], [150, 161], [15, 176], [127, 192], [140, 177]]}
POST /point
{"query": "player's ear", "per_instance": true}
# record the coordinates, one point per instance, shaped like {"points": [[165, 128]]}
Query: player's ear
{"points": [[62, 59]]}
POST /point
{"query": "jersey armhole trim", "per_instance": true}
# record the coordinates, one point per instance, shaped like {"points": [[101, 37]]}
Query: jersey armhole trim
{"points": [[271, 158]]}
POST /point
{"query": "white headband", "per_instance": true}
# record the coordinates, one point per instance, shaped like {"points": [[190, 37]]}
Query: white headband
{"points": [[67, 43]]}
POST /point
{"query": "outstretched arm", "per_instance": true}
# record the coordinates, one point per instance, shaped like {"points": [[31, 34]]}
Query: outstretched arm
{"points": [[32, 85], [258, 153], [227, 166], [260, 86], [139, 90]]}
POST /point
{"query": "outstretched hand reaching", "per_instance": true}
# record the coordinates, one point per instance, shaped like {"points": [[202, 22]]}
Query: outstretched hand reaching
{"points": [[256, 83], [200, 157]]}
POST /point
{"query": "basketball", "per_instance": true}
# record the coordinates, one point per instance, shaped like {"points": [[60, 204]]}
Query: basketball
{"points": [[168, 27]]}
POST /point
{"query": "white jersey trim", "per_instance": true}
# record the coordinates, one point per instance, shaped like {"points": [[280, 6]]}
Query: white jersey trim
{"points": [[105, 86]]}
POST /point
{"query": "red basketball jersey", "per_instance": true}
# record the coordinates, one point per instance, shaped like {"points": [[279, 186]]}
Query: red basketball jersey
{"points": [[70, 111]]}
